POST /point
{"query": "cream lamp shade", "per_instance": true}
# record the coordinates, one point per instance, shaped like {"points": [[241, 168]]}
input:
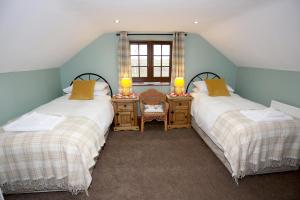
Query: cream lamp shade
{"points": [[126, 84], [179, 85]]}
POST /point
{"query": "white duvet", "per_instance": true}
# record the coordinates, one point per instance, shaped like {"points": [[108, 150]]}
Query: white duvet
{"points": [[206, 109]]}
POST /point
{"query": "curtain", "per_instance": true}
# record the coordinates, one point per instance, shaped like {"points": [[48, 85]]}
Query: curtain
{"points": [[124, 58], [177, 57]]}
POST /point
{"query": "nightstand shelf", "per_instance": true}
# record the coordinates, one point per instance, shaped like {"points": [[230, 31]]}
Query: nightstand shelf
{"points": [[125, 113], [179, 111]]}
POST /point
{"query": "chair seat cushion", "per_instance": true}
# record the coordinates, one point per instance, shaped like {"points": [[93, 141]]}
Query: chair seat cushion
{"points": [[153, 108]]}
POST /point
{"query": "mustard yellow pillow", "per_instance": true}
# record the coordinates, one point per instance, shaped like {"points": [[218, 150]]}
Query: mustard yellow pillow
{"points": [[217, 87], [83, 90]]}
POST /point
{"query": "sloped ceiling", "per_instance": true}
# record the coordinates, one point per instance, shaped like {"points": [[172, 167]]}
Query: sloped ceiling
{"points": [[253, 33]]}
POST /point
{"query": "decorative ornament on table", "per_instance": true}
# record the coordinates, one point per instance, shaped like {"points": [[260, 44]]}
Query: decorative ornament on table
{"points": [[173, 94], [130, 96]]}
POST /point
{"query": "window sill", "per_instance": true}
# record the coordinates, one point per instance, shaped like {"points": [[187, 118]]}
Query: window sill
{"points": [[151, 84]]}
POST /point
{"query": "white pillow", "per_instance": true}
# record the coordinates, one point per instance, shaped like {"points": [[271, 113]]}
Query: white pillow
{"points": [[201, 85], [102, 92], [99, 86], [195, 89]]}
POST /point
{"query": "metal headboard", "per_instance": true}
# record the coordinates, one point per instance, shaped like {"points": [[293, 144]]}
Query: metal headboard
{"points": [[203, 76], [92, 76]]}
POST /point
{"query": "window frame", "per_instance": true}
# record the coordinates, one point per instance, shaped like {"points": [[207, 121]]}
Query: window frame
{"points": [[150, 78]]}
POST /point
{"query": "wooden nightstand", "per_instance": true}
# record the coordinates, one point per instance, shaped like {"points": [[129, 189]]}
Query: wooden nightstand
{"points": [[179, 111], [125, 113]]}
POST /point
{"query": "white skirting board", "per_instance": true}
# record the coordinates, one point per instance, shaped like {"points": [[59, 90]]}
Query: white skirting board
{"points": [[1, 195]]}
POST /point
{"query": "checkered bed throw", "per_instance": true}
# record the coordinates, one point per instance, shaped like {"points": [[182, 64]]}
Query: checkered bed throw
{"points": [[67, 151], [253, 146]]}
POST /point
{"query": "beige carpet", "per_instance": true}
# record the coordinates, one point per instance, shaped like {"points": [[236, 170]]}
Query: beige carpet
{"points": [[176, 165]]}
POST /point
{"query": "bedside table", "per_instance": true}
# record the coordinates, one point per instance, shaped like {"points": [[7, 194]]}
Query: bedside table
{"points": [[125, 113], [179, 111]]}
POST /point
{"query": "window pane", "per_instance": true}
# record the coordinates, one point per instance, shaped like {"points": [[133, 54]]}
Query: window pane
{"points": [[156, 71], [135, 71], [166, 61], [143, 71], [157, 49], [143, 49], [166, 50], [157, 61], [160, 60], [134, 61], [165, 72], [143, 61], [134, 49]]}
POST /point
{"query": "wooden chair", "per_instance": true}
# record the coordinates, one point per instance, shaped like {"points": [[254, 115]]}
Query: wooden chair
{"points": [[153, 97]]}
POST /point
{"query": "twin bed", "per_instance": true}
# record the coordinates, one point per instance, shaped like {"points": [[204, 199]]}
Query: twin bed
{"points": [[60, 159], [63, 158], [245, 147]]}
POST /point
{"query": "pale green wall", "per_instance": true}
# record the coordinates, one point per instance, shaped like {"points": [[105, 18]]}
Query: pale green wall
{"points": [[101, 57], [263, 85], [23, 91]]}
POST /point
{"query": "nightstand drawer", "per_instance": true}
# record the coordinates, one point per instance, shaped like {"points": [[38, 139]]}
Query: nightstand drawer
{"points": [[181, 105], [125, 107]]}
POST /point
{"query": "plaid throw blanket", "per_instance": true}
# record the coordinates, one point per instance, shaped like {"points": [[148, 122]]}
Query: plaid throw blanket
{"points": [[252, 146], [67, 152]]}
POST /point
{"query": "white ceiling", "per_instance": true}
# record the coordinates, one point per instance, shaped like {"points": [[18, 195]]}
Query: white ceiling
{"points": [[44, 34], [267, 36]]}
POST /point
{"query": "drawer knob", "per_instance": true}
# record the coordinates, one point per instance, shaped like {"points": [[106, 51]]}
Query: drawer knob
{"points": [[117, 114], [131, 119], [172, 122], [180, 104], [172, 112], [125, 105]]}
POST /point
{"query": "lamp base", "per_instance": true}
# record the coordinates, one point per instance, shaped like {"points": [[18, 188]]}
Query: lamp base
{"points": [[179, 90], [126, 92]]}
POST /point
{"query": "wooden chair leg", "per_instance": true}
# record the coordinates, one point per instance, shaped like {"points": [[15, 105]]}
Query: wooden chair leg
{"points": [[166, 124], [142, 124]]}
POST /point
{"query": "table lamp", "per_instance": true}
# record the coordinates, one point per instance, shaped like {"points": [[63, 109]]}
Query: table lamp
{"points": [[126, 84], [179, 85]]}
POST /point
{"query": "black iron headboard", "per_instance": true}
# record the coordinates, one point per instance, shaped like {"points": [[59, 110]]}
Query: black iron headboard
{"points": [[203, 76], [92, 76]]}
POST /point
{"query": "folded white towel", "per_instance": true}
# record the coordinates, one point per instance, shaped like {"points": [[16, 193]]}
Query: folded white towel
{"points": [[34, 122], [268, 114], [154, 108]]}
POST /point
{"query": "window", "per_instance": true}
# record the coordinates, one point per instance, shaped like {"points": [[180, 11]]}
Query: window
{"points": [[151, 61]]}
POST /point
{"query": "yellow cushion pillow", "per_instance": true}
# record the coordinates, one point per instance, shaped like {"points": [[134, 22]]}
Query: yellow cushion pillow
{"points": [[83, 90], [217, 87]]}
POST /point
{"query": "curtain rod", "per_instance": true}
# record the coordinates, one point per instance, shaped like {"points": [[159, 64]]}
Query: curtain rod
{"points": [[118, 34]]}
